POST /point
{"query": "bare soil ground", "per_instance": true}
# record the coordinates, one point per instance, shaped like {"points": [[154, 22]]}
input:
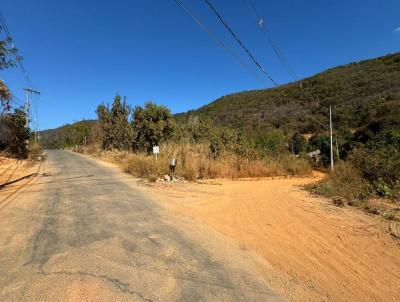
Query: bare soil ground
{"points": [[13, 169], [316, 251]]}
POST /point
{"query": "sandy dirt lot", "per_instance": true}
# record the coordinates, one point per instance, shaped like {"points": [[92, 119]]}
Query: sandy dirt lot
{"points": [[314, 251]]}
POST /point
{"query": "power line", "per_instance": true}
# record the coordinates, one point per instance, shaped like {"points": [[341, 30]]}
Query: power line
{"points": [[27, 78], [271, 42], [3, 25], [235, 36], [216, 39], [17, 101]]}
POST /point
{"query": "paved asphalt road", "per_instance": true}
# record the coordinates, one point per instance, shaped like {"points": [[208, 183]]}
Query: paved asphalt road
{"points": [[83, 231]]}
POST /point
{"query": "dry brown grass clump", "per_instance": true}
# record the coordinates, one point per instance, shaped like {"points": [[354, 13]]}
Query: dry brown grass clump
{"points": [[195, 162], [35, 152]]}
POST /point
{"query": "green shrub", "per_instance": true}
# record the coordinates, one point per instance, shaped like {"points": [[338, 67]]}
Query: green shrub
{"points": [[380, 167], [14, 134], [345, 181]]}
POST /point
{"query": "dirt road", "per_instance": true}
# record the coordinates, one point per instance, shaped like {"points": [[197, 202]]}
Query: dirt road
{"points": [[81, 231], [316, 251]]}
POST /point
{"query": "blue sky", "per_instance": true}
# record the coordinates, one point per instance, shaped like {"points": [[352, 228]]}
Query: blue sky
{"points": [[81, 53]]}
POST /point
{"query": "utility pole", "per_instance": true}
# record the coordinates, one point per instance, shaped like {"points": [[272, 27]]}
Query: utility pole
{"points": [[337, 149], [28, 92], [330, 130]]}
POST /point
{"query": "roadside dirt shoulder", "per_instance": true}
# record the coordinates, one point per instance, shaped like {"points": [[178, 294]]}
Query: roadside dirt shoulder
{"points": [[15, 175]]}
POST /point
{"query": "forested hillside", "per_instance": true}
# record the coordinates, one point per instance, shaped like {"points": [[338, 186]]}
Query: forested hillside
{"points": [[360, 93], [68, 135]]}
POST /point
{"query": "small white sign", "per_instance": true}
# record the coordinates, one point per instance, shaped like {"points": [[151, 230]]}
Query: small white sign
{"points": [[156, 149]]}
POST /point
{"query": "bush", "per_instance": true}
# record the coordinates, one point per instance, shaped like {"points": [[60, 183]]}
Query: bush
{"points": [[271, 142], [15, 135], [36, 152], [380, 167], [152, 125], [345, 181]]}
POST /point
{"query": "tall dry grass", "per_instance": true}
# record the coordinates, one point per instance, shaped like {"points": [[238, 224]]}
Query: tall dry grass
{"points": [[346, 182], [194, 162]]}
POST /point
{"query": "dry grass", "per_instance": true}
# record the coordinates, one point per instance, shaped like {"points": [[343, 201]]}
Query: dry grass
{"points": [[194, 162], [35, 152], [346, 186], [345, 181]]}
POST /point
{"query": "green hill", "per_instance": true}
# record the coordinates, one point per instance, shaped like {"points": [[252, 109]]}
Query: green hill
{"points": [[362, 95], [69, 134], [359, 93]]}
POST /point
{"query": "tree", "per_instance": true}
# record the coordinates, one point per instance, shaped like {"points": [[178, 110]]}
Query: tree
{"points": [[152, 125], [104, 133], [7, 50], [120, 127], [17, 134], [272, 141], [299, 143], [321, 142], [5, 96], [115, 130]]}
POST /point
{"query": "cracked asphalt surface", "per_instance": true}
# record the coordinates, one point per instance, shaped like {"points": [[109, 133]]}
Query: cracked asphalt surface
{"points": [[84, 231]]}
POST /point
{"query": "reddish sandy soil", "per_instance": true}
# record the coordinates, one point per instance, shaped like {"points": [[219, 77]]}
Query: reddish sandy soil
{"points": [[311, 250]]}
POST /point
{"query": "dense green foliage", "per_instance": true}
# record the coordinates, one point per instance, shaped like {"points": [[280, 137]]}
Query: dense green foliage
{"points": [[115, 130], [371, 168], [152, 125], [118, 127], [14, 135], [359, 93], [221, 140], [78, 133]]}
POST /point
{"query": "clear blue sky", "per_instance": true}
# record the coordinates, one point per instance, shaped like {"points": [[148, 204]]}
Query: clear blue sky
{"points": [[81, 53]]}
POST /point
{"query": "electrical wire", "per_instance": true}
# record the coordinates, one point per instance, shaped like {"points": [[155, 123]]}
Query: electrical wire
{"points": [[216, 39], [236, 37], [4, 26], [272, 43], [28, 80]]}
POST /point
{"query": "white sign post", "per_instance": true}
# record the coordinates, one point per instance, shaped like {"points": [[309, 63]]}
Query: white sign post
{"points": [[156, 150]]}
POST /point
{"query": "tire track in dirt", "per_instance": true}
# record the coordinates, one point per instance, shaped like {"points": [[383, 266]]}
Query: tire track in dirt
{"points": [[18, 190]]}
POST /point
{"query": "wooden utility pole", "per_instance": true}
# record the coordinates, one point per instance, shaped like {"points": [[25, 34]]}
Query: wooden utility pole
{"points": [[330, 130], [28, 92]]}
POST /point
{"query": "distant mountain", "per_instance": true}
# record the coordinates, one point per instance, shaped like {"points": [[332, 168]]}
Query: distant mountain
{"points": [[359, 93], [71, 134]]}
